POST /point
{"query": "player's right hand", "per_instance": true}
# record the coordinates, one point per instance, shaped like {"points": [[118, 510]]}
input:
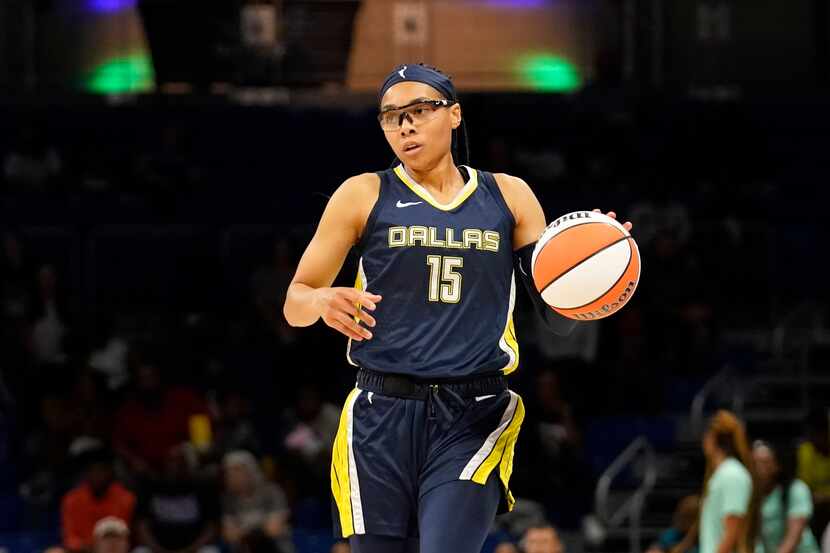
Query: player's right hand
{"points": [[338, 307]]}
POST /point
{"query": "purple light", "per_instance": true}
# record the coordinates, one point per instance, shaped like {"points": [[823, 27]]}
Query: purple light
{"points": [[108, 6], [516, 3]]}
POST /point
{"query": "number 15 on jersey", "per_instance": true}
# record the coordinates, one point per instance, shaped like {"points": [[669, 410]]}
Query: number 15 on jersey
{"points": [[444, 279]]}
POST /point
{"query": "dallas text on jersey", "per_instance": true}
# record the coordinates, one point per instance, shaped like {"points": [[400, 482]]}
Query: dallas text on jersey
{"points": [[487, 240]]}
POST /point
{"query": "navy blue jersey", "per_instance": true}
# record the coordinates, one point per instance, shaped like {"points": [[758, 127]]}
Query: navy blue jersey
{"points": [[445, 272]]}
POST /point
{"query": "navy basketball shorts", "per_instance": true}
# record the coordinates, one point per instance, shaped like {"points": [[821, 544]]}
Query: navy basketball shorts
{"points": [[439, 452]]}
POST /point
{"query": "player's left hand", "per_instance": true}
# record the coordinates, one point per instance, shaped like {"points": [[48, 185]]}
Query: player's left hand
{"points": [[628, 226]]}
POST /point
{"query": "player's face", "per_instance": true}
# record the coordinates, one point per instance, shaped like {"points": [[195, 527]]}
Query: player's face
{"points": [[765, 464], [425, 133], [543, 540]]}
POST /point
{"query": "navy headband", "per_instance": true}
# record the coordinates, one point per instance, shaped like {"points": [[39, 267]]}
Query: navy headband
{"points": [[421, 74]]}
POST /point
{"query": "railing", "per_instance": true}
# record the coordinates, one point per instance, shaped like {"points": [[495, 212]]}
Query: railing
{"points": [[738, 390], [783, 329], [714, 384], [632, 507]]}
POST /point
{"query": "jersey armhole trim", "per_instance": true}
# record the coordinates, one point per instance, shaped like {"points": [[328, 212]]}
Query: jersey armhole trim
{"points": [[373, 216], [493, 183]]}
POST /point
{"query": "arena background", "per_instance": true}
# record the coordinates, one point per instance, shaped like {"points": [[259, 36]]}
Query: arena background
{"points": [[132, 134]]}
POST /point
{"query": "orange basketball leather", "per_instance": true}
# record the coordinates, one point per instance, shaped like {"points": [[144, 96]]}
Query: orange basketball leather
{"points": [[570, 248], [614, 298]]}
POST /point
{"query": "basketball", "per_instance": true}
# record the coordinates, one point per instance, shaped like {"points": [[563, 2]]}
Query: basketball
{"points": [[586, 265]]}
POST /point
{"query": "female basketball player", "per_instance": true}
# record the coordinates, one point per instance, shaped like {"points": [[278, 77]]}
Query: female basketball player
{"points": [[729, 514], [787, 503], [424, 452]]}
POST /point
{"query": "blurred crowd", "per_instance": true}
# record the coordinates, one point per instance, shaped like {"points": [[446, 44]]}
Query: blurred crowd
{"points": [[181, 432], [195, 417], [757, 497]]}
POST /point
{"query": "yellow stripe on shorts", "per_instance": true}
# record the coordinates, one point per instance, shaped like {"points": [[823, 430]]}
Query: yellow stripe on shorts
{"points": [[498, 449], [345, 486]]}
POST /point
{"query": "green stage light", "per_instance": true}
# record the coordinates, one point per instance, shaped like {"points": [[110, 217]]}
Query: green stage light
{"points": [[133, 73], [548, 73]]}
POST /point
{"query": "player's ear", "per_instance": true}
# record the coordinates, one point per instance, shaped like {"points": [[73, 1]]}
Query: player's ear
{"points": [[455, 115]]}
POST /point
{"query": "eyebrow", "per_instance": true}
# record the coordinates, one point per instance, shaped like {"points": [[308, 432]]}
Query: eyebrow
{"points": [[388, 107]]}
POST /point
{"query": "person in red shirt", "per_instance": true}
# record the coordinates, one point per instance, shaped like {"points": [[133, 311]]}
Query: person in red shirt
{"points": [[153, 420], [97, 497]]}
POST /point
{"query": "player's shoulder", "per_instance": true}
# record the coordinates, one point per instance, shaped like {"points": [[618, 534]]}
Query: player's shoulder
{"points": [[354, 199], [516, 193], [362, 184], [511, 183], [359, 189], [732, 469]]}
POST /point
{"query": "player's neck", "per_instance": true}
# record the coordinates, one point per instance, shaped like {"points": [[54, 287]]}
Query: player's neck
{"points": [[444, 177]]}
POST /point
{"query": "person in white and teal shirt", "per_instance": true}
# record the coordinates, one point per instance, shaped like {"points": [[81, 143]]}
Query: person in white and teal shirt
{"points": [[729, 508], [787, 504]]}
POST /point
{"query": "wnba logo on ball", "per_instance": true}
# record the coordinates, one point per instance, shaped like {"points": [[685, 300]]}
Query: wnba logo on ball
{"points": [[607, 309], [570, 217]]}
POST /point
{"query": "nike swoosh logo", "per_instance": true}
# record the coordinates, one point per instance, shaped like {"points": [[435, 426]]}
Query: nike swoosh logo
{"points": [[407, 204], [482, 398]]}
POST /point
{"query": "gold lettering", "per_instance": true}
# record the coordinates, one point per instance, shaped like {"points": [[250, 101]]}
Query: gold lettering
{"points": [[418, 234], [451, 241], [491, 240], [433, 238], [472, 237], [397, 237]]}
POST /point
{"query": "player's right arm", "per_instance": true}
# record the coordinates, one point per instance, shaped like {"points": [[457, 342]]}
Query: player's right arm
{"points": [[310, 296]]}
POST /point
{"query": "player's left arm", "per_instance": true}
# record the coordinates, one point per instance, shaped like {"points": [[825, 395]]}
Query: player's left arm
{"points": [[530, 224]]}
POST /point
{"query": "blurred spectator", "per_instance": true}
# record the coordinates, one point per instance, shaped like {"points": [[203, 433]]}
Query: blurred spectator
{"points": [[560, 475], [110, 354], [169, 170], [580, 345], [682, 536], [814, 466], [15, 275], [97, 497], [251, 504], [268, 287], [257, 542], [46, 450], [787, 505], [176, 513], [48, 329], [234, 428], [32, 162], [525, 513], [825, 541], [341, 547], [154, 419], [506, 547], [677, 300], [93, 406], [312, 425], [542, 539], [111, 535], [729, 513]]}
